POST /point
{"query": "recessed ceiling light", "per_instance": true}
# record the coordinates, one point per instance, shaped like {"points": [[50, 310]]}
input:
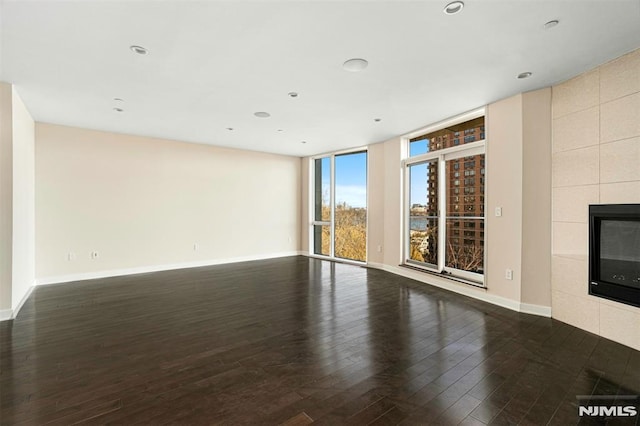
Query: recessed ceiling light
{"points": [[139, 50], [118, 99], [293, 94], [525, 75], [377, 120], [303, 142], [229, 128], [262, 114], [118, 109], [453, 7], [280, 130], [355, 65], [551, 24]]}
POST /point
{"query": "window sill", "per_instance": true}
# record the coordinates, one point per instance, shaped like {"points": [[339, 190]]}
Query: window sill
{"points": [[444, 275]]}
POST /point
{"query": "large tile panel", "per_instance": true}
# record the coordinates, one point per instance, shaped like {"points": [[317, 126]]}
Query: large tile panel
{"points": [[620, 193], [620, 161], [620, 325], [576, 94], [620, 77], [576, 167], [582, 312], [570, 238], [577, 130], [620, 119], [570, 203], [570, 275]]}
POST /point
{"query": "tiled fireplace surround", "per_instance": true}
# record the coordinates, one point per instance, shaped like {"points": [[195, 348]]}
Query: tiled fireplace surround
{"points": [[595, 160]]}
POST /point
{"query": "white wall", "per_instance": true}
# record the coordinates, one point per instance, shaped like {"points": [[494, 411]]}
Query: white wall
{"points": [[596, 153], [143, 203], [6, 199], [17, 243], [23, 202]]}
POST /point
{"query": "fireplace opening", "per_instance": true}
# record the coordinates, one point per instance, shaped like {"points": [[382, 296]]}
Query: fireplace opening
{"points": [[614, 252]]}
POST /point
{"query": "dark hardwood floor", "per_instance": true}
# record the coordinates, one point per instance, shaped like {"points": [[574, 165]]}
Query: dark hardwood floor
{"points": [[294, 341]]}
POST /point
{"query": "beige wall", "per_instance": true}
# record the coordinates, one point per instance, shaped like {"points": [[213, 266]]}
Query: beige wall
{"points": [[504, 189], [23, 268], [393, 195], [304, 208], [536, 201], [143, 202], [596, 153], [375, 203], [6, 198]]}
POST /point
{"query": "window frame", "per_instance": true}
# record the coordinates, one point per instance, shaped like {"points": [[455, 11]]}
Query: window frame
{"points": [[332, 183], [441, 156]]}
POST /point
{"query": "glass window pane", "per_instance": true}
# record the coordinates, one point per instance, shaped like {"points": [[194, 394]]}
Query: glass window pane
{"points": [[465, 244], [458, 134], [423, 213], [417, 147], [322, 189], [465, 198], [322, 239], [351, 206]]}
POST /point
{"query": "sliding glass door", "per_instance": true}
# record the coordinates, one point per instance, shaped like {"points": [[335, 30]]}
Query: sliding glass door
{"points": [[340, 206]]}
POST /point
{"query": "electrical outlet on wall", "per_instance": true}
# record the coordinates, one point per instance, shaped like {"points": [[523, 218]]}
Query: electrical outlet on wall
{"points": [[196, 246], [71, 256], [508, 274], [94, 255]]}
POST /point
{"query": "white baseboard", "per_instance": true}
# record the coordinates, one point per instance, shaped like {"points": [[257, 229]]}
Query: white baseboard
{"points": [[9, 314], [16, 310], [543, 311], [156, 268], [465, 290]]}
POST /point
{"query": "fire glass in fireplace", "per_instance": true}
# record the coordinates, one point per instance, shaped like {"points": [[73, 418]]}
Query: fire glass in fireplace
{"points": [[614, 252]]}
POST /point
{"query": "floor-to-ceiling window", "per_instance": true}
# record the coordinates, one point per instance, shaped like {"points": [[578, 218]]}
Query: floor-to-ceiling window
{"points": [[445, 188], [339, 219]]}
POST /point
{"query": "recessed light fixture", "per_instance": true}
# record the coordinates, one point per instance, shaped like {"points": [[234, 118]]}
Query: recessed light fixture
{"points": [[139, 50], [377, 120], [118, 109], [355, 65], [551, 24], [262, 114], [303, 142], [229, 128], [524, 75], [118, 99], [293, 94], [280, 130], [453, 8]]}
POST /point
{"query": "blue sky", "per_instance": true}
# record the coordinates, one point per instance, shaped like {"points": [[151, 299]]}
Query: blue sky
{"points": [[351, 179], [418, 176]]}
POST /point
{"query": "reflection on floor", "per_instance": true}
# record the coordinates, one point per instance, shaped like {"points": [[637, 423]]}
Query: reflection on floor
{"points": [[294, 340]]}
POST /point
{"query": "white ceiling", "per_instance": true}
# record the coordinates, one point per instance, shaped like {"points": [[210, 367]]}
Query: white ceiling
{"points": [[212, 64]]}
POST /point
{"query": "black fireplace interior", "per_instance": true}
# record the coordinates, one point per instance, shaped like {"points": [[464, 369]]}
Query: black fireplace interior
{"points": [[614, 252]]}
